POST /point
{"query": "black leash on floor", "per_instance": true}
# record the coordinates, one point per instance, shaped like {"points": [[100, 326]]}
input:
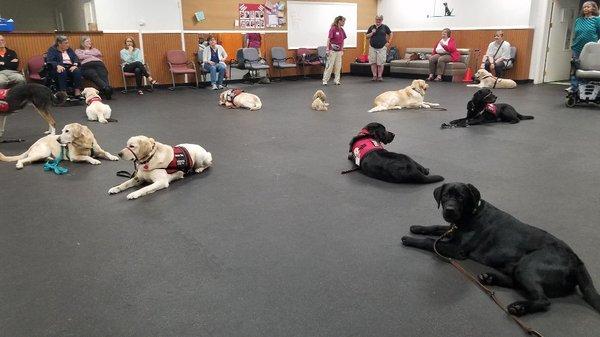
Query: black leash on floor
{"points": [[351, 170], [527, 329], [436, 108]]}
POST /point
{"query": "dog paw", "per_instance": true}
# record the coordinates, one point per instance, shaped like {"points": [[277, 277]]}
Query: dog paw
{"points": [[133, 195], [417, 229], [486, 279], [19, 166], [518, 308], [103, 121], [95, 162], [113, 158], [407, 240], [114, 190]]}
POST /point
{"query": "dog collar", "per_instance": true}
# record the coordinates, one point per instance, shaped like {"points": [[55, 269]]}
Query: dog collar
{"points": [[479, 207], [94, 99], [145, 162]]}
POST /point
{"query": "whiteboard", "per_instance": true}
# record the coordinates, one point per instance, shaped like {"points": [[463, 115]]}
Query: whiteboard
{"points": [[309, 23]]}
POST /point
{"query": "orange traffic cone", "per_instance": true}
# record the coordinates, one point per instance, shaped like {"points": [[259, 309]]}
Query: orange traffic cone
{"points": [[468, 76]]}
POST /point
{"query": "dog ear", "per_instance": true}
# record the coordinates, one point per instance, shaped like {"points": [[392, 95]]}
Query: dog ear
{"points": [[437, 194], [474, 194], [85, 137]]}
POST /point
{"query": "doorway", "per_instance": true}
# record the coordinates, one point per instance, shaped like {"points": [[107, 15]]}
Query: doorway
{"points": [[557, 64]]}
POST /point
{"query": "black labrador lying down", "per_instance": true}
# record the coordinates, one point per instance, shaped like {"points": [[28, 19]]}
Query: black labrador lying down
{"points": [[367, 152], [483, 109], [528, 258]]}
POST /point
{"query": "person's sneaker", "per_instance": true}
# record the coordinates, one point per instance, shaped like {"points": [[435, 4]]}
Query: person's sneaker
{"points": [[214, 87], [220, 86], [569, 90], [324, 83], [337, 83]]}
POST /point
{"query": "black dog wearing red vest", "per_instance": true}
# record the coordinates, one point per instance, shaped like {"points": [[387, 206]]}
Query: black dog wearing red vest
{"points": [[483, 109], [17, 97], [367, 152]]}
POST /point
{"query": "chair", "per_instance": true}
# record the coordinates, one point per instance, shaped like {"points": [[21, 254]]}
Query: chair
{"points": [[307, 58], [127, 75], [34, 65], [179, 65], [279, 58], [253, 62]]}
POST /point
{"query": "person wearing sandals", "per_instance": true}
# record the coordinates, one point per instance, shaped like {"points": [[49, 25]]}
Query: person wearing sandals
{"points": [[131, 62], [379, 36], [92, 66], [335, 50], [214, 62], [444, 51]]}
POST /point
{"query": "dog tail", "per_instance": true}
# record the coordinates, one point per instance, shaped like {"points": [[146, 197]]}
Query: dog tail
{"points": [[523, 117], [378, 108], [59, 98], [257, 105], [586, 286], [13, 158]]}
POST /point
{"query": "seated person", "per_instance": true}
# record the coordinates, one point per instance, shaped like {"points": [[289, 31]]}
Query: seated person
{"points": [[65, 65], [444, 51], [214, 62], [131, 62], [93, 67], [497, 55], [9, 62]]}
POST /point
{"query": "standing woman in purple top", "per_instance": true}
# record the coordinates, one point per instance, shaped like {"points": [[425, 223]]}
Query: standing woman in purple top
{"points": [[335, 50], [92, 66]]}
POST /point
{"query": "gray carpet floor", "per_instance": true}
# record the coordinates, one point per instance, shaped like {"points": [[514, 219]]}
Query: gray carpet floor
{"points": [[272, 240]]}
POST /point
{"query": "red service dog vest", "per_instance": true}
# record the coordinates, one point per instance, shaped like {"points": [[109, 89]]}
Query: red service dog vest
{"points": [[364, 146], [491, 108], [181, 161], [3, 105]]}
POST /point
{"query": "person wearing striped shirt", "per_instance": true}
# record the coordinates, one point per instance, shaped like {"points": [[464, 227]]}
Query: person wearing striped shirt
{"points": [[586, 29]]}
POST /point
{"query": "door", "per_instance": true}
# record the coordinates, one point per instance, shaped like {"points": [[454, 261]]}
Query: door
{"points": [[558, 51]]}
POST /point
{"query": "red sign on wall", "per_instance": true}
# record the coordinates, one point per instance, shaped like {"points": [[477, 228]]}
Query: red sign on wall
{"points": [[252, 16]]}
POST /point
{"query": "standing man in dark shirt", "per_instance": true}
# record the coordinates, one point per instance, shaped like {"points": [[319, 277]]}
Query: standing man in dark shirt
{"points": [[379, 36], [9, 62]]}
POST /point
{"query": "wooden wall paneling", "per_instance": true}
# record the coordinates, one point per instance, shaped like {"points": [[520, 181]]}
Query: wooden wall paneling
{"points": [[155, 49]]}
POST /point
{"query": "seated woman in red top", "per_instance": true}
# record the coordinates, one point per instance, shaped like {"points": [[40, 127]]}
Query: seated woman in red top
{"points": [[444, 51]]}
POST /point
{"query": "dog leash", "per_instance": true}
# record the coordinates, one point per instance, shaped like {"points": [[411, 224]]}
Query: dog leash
{"points": [[54, 165], [527, 329], [357, 168]]}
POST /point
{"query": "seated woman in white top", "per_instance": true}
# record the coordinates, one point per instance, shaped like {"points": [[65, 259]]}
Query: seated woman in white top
{"points": [[214, 62], [497, 55]]}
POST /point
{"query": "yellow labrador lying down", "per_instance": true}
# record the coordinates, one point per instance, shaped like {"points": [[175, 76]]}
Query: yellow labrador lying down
{"points": [[487, 80], [236, 98], [409, 97], [160, 164], [80, 146]]}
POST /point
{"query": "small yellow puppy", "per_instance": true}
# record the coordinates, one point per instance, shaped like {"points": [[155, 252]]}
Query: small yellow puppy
{"points": [[96, 110], [318, 102]]}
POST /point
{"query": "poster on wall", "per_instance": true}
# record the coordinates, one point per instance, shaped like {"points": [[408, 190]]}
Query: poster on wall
{"points": [[441, 8], [252, 16]]}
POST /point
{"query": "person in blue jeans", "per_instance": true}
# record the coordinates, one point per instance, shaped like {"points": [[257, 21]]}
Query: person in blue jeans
{"points": [[586, 29], [214, 62]]}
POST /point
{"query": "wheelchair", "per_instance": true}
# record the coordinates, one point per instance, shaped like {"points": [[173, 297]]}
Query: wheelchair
{"points": [[587, 71], [47, 74]]}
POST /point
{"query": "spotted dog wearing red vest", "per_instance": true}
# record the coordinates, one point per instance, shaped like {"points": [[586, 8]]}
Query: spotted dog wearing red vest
{"points": [[367, 152], [160, 164]]}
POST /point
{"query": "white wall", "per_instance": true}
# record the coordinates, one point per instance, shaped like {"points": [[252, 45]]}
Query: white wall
{"points": [[468, 14], [539, 20], [126, 15]]}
